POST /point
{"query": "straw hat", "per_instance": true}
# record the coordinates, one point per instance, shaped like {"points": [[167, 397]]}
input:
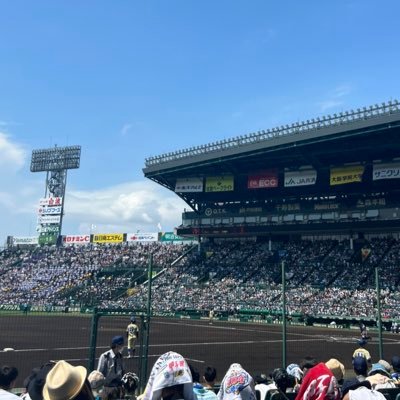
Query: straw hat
{"points": [[64, 381]]}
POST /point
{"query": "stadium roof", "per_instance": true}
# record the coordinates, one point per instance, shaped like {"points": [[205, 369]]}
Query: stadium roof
{"points": [[363, 135]]}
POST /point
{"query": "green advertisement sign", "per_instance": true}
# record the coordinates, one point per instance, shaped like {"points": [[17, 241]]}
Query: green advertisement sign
{"points": [[171, 237], [48, 238]]}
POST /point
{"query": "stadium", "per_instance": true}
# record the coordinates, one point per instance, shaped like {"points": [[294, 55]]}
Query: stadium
{"points": [[290, 236]]}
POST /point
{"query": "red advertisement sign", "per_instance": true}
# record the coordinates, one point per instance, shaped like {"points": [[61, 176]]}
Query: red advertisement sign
{"points": [[263, 180], [76, 239]]}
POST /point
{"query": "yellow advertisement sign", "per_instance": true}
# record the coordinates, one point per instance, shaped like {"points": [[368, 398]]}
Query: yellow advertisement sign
{"points": [[341, 176], [108, 238], [219, 184]]}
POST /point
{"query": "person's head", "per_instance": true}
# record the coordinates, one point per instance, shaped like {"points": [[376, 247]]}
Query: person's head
{"points": [[337, 369], [261, 379], [210, 375], [396, 363], [66, 382], [96, 380], [237, 384], [133, 319], [8, 376], [117, 343], [37, 379], [282, 379], [307, 363], [295, 371], [130, 382], [360, 365], [353, 384], [169, 377], [378, 369], [362, 342]]}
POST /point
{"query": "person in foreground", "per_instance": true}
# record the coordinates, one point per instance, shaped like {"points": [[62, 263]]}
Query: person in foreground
{"points": [[66, 382], [170, 379]]}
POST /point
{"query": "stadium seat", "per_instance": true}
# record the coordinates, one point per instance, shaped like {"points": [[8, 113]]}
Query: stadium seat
{"points": [[391, 393]]}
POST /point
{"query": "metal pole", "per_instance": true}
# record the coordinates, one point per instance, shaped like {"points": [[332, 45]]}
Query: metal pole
{"points": [[283, 316], [147, 324], [93, 339], [379, 318]]}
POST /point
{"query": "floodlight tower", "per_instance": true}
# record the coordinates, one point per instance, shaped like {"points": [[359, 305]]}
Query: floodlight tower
{"points": [[55, 162]]}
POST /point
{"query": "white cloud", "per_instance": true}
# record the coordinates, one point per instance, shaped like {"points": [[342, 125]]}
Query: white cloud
{"points": [[125, 207], [336, 98], [125, 129], [12, 155]]}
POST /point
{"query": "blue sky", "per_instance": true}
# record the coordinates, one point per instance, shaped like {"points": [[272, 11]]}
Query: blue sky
{"points": [[129, 79]]}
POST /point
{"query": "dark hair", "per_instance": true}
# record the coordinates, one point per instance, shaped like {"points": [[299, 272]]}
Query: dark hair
{"points": [[282, 379], [210, 374], [7, 376], [308, 362], [195, 373]]}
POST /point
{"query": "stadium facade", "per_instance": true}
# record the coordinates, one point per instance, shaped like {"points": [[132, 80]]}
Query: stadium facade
{"points": [[335, 175]]}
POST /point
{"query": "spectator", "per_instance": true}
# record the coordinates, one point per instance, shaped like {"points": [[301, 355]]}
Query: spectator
{"points": [[353, 389], [112, 367], [380, 378], [360, 368], [209, 378], [36, 381], [8, 376], [96, 380], [319, 383], [66, 382], [237, 384], [170, 379]]}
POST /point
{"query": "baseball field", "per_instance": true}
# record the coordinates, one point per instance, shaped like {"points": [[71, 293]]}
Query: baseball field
{"points": [[35, 339]]}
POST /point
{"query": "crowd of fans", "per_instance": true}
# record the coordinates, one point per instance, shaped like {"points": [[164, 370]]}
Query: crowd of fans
{"points": [[323, 277], [172, 377]]}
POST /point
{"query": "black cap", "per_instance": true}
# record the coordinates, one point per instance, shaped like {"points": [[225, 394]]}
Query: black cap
{"points": [[353, 384]]}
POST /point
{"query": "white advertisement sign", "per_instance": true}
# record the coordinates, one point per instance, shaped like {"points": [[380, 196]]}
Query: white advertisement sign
{"points": [[18, 240], [49, 219], [386, 171], [46, 210], [188, 185], [51, 201], [142, 237], [76, 239], [300, 178]]}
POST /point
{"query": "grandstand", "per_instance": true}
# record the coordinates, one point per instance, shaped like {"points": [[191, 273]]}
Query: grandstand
{"points": [[321, 195], [336, 174]]}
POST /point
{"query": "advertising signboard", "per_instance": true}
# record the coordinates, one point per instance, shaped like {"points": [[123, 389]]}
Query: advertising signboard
{"points": [[76, 239], [108, 238], [142, 237]]}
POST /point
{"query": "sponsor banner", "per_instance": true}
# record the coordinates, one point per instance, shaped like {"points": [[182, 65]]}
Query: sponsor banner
{"points": [[219, 183], [47, 228], [18, 240], [108, 238], [171, 237], [189, 185], [263, 180], [300, 178], [142, 237], [76, 239], [49, 219], [386, 171], [344, 175], [51, 201], [48, 238], [46, 210]]}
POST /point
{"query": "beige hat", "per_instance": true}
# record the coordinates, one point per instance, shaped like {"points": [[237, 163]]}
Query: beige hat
{"points": [[64, 381], [337, 368]]}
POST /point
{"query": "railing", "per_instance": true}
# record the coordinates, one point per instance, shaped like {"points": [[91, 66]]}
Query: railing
{"points": [[343, 118]]}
